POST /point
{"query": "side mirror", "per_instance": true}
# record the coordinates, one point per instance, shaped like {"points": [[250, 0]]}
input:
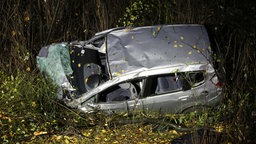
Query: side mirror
{"points": [[92, 75], [92, 81]]}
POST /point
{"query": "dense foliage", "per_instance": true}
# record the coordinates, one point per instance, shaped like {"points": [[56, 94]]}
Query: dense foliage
{"points": [[28, 108]]}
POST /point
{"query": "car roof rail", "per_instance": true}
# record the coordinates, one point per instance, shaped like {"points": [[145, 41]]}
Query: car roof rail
{"points": [[102, 34]]}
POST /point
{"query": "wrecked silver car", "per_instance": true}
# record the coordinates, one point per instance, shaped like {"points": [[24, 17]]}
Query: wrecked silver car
{"points": [[165, 68]]}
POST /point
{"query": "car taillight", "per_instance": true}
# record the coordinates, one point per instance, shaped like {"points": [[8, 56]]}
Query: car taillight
{"points": [[216, 81], [219, 84]]}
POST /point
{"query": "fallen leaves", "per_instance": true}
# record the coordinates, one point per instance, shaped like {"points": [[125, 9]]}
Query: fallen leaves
{"points": [[4, 117], [37, 133], [130, 133], [64, 139]]}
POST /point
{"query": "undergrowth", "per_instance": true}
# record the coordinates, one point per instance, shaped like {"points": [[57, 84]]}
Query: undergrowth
{"points": [[30, 112], [28, 105]]}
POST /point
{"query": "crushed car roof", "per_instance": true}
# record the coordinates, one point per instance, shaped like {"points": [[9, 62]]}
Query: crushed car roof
{"points": [[131, 49]]}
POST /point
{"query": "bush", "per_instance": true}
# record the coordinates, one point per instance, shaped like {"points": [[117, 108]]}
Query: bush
{"points": [[26, 103]]}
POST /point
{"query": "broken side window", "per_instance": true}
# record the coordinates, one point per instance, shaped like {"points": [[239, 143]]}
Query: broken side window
{"points": [[194, 78], [121, 92]]}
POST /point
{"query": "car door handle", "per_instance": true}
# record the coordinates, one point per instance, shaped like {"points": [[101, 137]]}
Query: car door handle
{"points": [[204, 93], [183, 98], [92, 105]]}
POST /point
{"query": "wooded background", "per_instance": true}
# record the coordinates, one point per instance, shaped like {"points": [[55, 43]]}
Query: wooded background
{"points": [[27, 25]]}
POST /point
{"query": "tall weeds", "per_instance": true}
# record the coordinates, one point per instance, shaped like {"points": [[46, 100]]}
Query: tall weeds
{"points": [[26, 26]]}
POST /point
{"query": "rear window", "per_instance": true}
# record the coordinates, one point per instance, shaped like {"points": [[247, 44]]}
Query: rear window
{"points": [[195, 78]]}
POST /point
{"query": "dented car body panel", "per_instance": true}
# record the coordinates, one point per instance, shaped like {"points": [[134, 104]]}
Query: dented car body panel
{"points": [[165, 68]]}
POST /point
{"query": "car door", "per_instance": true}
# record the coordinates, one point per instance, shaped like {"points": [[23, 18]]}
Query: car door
{"points": [[165, 93], [113, 107], [116, 98]]}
